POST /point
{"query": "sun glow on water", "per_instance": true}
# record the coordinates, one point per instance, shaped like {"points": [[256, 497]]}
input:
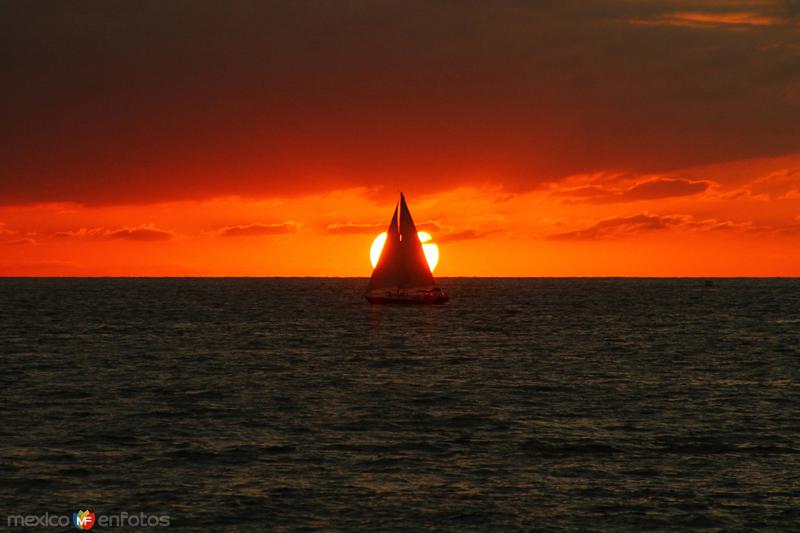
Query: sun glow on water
{"points": [[431, 250]]}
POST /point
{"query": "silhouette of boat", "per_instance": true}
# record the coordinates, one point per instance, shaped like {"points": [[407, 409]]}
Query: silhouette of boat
{"points": [[402, 274]]}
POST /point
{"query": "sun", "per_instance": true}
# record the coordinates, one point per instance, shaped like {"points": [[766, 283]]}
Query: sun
{"points": [[431, 250]]}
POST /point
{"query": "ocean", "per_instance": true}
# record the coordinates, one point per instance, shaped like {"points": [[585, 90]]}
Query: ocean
{"points": [[292, 404]]}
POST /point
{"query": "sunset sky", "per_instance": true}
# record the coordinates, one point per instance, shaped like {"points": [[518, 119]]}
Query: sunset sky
{"points": [[547, 138]]}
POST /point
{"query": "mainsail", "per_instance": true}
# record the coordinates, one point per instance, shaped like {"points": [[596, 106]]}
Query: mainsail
{"points": [[402, 264]]}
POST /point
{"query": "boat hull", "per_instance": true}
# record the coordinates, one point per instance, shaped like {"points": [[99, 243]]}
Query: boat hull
{"points": [[407, 299]]}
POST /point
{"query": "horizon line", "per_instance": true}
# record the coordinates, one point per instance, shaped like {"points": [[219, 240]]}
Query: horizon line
{"points": [[367, 277]]}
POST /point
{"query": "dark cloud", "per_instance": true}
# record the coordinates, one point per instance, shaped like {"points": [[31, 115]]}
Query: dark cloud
{"points": [[258, 229], [618, 226], [588, 192], [114, 102], [654, 189], [783, 184], [9, 237], [664, 188], [140, 234], [432, 225], [352, 227], [17, 242], [466, 235], [780, 184]]}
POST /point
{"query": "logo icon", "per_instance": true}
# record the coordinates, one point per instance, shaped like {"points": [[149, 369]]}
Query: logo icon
{"points": [[83, 519]]}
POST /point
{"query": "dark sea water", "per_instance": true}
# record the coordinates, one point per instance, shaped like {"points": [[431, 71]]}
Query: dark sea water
{"points": [[286, 404]]}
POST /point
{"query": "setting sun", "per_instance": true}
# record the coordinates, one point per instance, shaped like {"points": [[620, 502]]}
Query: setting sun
{"points": [[431, 250]]}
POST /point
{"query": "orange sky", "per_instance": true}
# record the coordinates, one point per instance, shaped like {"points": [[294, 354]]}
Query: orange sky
{"points": [[570, 138]]}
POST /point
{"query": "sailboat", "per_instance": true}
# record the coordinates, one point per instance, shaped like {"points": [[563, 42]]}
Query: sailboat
{"points": [[402, 274]]}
